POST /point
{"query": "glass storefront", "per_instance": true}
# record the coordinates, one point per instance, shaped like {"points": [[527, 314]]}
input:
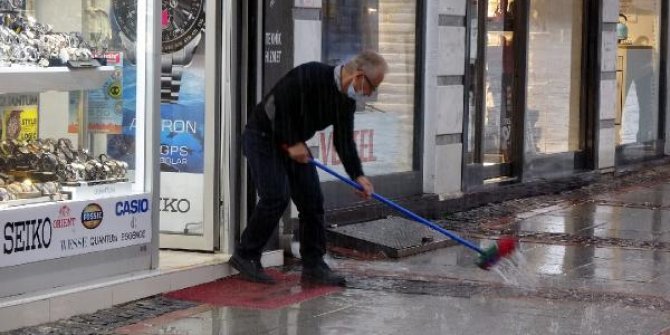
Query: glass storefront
{"points": [[384, 123], [638, 79], [66, 177], [536, 46], [492, 97], [553, 110]]}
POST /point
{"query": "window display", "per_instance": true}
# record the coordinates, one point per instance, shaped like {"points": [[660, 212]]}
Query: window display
{"points": [[23, 40], [384, 132], [63, 94], [39, 168], [553, 112], [638, 71]]}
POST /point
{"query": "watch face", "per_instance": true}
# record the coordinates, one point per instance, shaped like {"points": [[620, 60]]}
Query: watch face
{"points": [[125, 14], [181, 21], [14, 125]]}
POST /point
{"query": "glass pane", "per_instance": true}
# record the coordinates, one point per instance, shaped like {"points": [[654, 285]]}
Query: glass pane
{"points": [[182, 107], [60, 127], [638, 72], [553, 123], [182, 137], [384, 124], [499, 81]]}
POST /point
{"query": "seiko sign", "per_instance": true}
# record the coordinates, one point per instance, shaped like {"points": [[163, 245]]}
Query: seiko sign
{"points": [[27, 235], [173, 205], [128, 207]]}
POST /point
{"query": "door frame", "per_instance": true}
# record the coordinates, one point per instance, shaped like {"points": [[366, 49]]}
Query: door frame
{"points": [[520, 169], [475, 173]]}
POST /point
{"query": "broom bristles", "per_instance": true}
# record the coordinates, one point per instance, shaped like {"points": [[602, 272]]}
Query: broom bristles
{"points": [[503, 248]]}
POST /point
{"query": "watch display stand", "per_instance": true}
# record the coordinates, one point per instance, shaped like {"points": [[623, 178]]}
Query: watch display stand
{"points": [[21, 79], [84, 190]]}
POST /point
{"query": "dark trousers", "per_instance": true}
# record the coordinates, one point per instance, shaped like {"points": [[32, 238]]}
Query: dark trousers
{"points": [[278, 178]]}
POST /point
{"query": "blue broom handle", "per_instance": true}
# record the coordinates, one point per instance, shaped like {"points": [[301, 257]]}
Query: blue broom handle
{"points": [[399, 208]]}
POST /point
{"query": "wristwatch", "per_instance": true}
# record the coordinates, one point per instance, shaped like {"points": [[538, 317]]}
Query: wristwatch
{"points": [[182, 23]]}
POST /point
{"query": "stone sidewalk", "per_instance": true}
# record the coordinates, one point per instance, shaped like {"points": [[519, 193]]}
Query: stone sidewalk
{"points": [[594, 260]]}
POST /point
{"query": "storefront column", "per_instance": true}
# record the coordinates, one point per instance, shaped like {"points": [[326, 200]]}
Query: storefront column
{"points": [[443, 87], [666, 57], [608, 91], [307, 31]]}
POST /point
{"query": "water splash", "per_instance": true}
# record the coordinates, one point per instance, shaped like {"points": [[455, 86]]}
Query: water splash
{"points": [[514, 271]]}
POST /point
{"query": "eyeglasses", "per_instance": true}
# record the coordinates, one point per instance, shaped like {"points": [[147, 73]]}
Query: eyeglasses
{"points": [[373, 88]]}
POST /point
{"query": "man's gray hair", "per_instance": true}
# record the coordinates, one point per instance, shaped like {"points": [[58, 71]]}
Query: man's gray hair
{"points": [[370, 62]]}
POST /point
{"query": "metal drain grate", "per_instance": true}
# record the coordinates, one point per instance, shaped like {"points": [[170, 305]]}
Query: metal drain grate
{"points": [[395, 237]]}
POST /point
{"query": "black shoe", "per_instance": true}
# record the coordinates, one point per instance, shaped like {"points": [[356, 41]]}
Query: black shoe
{"points": [[322, 274], [251, 270]]}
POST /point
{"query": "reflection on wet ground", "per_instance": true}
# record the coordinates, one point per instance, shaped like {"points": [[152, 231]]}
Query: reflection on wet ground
{"points": [[603, 220], [559, 284], [377, 312], [596, 266]]}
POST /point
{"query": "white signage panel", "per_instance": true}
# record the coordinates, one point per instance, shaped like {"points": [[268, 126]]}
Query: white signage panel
{"points": [[68, 228], [180, 204]]}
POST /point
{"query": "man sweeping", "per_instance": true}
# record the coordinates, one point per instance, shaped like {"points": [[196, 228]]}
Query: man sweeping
{"points": [[309, 98]]}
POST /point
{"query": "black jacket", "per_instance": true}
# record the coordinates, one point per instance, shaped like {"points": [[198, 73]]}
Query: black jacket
{"points": [[305, 101]]}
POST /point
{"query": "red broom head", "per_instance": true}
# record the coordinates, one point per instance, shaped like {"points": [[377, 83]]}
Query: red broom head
{"points": [[506, 246], [503, 248]]}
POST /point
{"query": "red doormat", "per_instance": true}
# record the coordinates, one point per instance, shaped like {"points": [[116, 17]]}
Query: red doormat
{"points": [[236, 292]]}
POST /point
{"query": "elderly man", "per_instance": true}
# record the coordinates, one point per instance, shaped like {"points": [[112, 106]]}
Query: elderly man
{"points": [[309, 98]]}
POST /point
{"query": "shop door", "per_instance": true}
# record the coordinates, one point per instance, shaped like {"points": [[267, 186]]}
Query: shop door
{"points": [[495, 109], [190, 109]]}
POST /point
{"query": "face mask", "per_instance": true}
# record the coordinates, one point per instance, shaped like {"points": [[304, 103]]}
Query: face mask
{"points": [[351, 92]]}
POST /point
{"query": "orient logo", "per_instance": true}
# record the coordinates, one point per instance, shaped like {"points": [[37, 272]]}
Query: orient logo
{"points": [[65, 219], [175, 205], [27, 235], [91, 216]]}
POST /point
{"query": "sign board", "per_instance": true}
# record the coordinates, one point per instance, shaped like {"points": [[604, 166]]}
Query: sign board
{"points": [[19, 116], [68, 228], [277, 41], [181, 202]]}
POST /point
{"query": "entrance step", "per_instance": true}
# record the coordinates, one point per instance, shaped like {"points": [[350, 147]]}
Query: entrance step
{"points": [[393, 237], [177, 270]]}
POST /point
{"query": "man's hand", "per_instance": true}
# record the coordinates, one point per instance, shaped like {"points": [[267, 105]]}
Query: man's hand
{"points": [[299, 153], [367, 187]]}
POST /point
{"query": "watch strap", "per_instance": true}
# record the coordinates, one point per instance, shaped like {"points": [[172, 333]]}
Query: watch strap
{"points": [[172, 67]]}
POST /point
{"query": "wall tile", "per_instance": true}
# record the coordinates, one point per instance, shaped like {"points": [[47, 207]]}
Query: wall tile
{"points": [[80, 303], [449, 57], [611, 11], [608, 92], [606, 148], [309, 3], [140, 288], [609, 49], [448, 168], [23, 315], [452, 7], [449, 109]]}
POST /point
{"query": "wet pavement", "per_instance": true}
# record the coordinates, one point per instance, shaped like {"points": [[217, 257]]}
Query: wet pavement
{"points": [[592, 261]]}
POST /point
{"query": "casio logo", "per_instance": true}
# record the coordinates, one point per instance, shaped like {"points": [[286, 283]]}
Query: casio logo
{"points": [[132, 207]]}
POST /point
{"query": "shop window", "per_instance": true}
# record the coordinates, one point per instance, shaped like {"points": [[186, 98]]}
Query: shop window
{"points": [[638, 68], [73, 116], [384, 123], [553, 114]]}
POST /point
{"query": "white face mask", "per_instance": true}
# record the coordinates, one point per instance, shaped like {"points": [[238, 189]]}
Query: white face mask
{"points": [[351, 92]]}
